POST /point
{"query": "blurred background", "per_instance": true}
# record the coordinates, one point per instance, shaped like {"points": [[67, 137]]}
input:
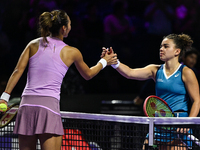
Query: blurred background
{"points": [[134, 28]]}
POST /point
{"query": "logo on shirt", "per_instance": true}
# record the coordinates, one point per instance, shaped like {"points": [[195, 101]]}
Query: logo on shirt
{"points": [[159, 80], [176, 75]]}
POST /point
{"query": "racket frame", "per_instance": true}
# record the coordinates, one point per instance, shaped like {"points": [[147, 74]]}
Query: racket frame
{"points": [[9, 115], [153, 96]]}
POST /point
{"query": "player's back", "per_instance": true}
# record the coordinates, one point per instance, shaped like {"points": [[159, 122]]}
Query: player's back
{"points": [[46, 69]]}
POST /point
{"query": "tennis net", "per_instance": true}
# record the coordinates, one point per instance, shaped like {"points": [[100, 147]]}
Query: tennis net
{"points": [[85, 131]]}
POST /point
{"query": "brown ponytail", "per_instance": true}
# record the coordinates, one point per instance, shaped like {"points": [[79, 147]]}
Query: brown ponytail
{"points": [[51, 22], [45, 23]]}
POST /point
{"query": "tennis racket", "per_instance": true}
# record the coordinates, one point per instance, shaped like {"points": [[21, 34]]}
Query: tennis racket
{"points": [[8, 116], [154, 106]]}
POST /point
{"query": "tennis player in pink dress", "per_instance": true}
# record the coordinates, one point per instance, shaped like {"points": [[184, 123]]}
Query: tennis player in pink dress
{"points": [[49, 59]]}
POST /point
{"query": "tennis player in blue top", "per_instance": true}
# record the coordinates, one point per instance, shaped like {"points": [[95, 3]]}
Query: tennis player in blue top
{"points": [[175, 83]]}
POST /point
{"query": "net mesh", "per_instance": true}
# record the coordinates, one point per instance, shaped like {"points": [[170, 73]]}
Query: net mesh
{"points": [[102, 135], [84, 131]]}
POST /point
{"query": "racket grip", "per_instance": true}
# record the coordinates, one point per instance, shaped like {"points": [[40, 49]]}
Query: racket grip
{"points": [[156, 114], [193, 138]]}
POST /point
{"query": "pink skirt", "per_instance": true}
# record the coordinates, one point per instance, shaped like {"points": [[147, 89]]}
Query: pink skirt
{"points": [[38, 115]]}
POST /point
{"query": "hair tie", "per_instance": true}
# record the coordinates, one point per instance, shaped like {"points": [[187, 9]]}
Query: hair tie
{"points": [[59, 20], [51, 16]]}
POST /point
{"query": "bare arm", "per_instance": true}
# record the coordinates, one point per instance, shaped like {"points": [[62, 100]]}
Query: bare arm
{"points": [[18, 71], [192, 87], [73, 55], [138, 73], [129, 73]]}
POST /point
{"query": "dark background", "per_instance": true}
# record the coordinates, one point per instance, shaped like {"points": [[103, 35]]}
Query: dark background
{"points": [[136, 46]]}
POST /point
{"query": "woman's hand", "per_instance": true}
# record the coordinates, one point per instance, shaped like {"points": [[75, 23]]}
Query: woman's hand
{"points": [[109, 56], [3, 102], [106, 50]]}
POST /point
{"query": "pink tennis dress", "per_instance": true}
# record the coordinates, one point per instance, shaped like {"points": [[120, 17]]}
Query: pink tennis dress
{"points": [[39, 110]]}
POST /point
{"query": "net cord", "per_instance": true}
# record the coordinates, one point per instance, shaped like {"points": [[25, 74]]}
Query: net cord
{"points": [[131, 119]]}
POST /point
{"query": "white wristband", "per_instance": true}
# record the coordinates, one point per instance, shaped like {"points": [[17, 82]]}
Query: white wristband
{"points": [[5, 96], [103, 62], [116, 65]]}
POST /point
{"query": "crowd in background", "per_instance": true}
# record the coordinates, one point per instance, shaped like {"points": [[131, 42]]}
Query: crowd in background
{"points": [[134, 28]]}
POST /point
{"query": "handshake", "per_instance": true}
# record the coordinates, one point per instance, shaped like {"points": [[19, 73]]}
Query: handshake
{"points": [[110, 53]]}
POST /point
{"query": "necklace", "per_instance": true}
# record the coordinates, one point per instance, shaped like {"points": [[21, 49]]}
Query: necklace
{"points": [[171, 71]]}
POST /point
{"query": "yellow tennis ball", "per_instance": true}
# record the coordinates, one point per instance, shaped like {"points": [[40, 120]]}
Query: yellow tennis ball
{"points": [[3, 107]]}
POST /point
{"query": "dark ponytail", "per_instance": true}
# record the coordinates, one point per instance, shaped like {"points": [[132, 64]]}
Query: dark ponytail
{"points": [[182, 41]]}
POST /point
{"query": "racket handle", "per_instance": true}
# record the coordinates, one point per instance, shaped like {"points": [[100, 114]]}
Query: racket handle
{"points": [[193, 138], [156, 114]]}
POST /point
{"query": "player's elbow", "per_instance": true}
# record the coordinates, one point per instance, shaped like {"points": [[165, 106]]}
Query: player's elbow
{"points": [[88, 77], [18, 71]]}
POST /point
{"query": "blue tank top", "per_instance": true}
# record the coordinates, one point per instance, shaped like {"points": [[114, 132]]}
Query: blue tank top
{"points": [[172, 89]]}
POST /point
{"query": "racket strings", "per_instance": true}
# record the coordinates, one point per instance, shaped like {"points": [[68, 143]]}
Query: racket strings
{"points": [[156, 108]]}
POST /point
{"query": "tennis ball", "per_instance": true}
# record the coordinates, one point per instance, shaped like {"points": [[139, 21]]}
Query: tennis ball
{"points": [[3, 107]]}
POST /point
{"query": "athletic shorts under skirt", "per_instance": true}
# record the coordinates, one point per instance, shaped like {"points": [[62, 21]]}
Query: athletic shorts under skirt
{"points": [[38, 115]]}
